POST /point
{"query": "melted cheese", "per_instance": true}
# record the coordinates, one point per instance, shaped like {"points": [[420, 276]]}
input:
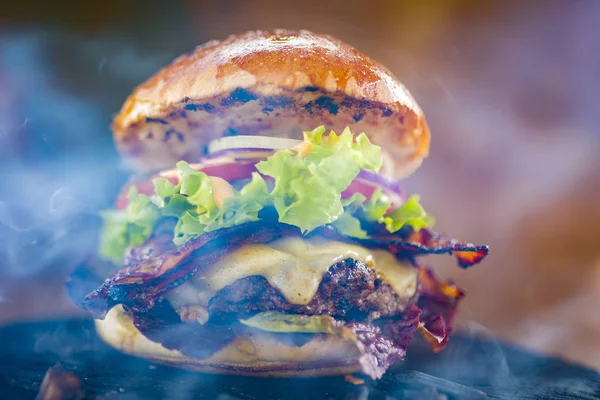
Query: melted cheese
{"points": [[295, 267]]}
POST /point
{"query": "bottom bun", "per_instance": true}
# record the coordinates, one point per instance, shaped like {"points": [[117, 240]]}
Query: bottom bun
{"points": [[256, 355]]}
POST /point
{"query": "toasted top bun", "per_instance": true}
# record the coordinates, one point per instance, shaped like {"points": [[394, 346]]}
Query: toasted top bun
{"points": [[256, 355], [272, 84]]}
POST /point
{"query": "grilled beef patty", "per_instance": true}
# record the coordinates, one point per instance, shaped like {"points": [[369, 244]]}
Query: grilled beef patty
{"points": [[349, 290]]}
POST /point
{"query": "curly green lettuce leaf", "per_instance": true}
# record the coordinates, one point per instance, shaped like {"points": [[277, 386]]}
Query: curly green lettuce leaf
{"points": [[410, 213], [256, 190], [307, 191], [127, 228], [197, 211], [176, 205], [354, 153], [377, 206], [300, 197], [197, 187], [376, 210], [354, 203], [314, 204], [163, 188], [188, 227], [348, 225], [243, 207], [272, 321]]}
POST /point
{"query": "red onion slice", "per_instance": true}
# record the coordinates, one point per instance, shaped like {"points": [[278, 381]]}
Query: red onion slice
{"points": [[367, 181]]}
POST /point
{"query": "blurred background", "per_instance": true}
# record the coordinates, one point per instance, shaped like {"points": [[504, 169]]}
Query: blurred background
{"points": [[510, 89]]}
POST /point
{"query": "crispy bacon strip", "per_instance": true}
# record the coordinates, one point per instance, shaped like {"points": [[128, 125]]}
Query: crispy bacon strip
{"points": [[159, 266], [409, 242], [438, 301], [430, 242], [140, 284]]}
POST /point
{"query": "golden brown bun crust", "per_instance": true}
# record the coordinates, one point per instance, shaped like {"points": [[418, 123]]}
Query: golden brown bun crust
{"points": [[268, 83], [252, 356]]}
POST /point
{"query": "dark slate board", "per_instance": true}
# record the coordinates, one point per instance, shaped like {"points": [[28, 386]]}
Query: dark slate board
{"points": [[470, 368]]}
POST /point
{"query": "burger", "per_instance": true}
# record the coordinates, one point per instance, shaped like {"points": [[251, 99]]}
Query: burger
{"points": [[265, 231]]}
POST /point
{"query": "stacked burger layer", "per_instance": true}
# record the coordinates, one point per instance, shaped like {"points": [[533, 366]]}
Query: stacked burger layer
{"points": [[254, 243]]}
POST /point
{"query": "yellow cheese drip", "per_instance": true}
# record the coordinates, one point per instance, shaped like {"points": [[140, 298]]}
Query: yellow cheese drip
{"points": [[295, 266]]}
